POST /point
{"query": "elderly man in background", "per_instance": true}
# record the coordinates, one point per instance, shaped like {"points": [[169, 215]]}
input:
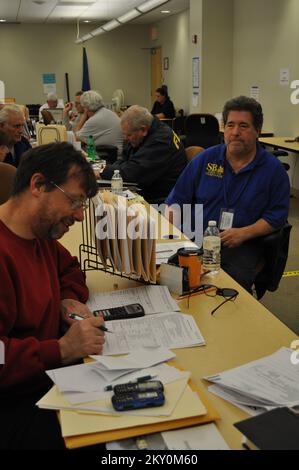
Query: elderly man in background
{"points": [[154, 156], [99, 122], [71, 117], [52, 102], [12, 123]]}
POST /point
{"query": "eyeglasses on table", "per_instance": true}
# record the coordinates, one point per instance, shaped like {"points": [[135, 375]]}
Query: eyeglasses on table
{"points": [[212, 291]]}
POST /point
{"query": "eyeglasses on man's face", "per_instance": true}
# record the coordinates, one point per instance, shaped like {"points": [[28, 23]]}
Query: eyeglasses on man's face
{"points": [[211, 291], [74, 203]]}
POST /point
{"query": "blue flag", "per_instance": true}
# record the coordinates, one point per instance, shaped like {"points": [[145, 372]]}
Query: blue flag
{"points": [[85, 79]]}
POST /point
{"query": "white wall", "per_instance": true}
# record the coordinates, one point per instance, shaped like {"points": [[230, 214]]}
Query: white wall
{"points": [[116, 60], [173, 37], [266, 38]]}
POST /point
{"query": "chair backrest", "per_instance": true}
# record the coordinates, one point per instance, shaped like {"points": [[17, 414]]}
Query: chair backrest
{"points": [[178, 125], [202, 129], [107, 152], [52, 133], [192, 151], [276, 249], [7, 175]]}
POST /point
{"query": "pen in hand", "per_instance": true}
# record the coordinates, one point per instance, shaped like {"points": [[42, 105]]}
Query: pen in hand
{"points": [[75, 316]]}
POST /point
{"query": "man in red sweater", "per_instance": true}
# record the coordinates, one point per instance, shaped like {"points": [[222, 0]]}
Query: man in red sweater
{"points": [[41, 284]]}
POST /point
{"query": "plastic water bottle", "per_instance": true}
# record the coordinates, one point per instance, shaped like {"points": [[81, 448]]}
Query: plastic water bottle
{"points": [[117, 183], [211, 248], [91, 149]]}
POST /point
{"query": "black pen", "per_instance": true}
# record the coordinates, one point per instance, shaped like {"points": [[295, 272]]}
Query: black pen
{"points": [[75, 316]]}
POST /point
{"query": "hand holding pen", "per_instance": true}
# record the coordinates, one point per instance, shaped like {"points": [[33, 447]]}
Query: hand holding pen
{"points": [[83, 338], [75, 316]]}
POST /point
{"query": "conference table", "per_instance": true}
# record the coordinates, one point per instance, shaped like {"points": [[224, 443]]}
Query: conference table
{"points": [[239, 332], [281, 143]]}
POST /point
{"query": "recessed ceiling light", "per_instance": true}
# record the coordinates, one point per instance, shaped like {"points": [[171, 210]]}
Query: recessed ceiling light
{"points": [[2, 21], [165, 11], [86, 21]]}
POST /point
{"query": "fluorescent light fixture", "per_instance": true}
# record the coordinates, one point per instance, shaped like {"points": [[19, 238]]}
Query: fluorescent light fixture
{"points": [[96, 32], [130, 15], [2, 20], [150, 5], [87, 36], [165, 11], [110, 25]]}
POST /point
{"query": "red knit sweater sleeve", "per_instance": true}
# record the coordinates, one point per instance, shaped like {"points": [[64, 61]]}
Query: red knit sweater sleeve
{"points": [[72, 280], [31, 288]]}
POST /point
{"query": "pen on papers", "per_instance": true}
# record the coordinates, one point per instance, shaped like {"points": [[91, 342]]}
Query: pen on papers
{"points": [[75, 316], [145, 378]]}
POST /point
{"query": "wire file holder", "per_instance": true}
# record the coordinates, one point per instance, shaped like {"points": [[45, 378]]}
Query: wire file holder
{"points": [[89, 257]]}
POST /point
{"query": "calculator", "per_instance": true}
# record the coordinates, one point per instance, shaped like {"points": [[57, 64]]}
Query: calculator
{"points": [[138, 387], [121, 313], [135, 401]]}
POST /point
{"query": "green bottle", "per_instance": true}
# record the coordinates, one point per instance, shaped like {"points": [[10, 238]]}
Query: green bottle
{"points": [[91, 149]]}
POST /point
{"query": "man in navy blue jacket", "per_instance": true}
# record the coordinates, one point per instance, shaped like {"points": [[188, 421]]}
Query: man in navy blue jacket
{"points": [[153, 157], [241, 186], [12, 123]]}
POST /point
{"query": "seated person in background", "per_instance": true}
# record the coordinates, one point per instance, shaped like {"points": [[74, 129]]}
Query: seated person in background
{"points": [[241, 186], [52, 102], [51, 187], [4, 143], [71, 117], [163, 107], [154, 156], [12, 123], [98, 121]]}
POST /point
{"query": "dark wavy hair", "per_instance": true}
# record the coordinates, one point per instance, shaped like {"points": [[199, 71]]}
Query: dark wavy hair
{"points": [[163, 90], [244, 103], [54, 162]]}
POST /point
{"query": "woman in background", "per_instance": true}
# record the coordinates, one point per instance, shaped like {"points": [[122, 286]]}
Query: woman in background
{"points": [[163, 107]]}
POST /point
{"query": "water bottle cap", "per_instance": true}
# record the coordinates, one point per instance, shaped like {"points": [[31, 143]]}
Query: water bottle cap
{"points": [[212, 223]]}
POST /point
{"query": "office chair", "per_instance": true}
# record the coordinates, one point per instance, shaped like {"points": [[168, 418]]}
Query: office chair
{"points": [[7, 176], [192, 151], [107, 152], [281, 153], [201, 129], [178, 125], [276, 248]]}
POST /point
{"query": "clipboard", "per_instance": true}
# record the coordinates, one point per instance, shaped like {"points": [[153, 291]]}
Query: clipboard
{"points": [[84, 440]]}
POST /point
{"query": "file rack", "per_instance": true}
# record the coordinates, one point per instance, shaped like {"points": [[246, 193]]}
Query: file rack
{"points": [[88, 254]]}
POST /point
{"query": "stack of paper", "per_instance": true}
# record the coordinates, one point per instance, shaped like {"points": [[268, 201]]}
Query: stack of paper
{"points": [[171, 330], [125, 236], [205, 437], [267, 383], [154, 299], [80, 396], [166, 328]]}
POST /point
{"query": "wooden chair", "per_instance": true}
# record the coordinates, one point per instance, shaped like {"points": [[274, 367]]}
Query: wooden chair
{"points": [[51, 133], [7, 175], [192, 151]]}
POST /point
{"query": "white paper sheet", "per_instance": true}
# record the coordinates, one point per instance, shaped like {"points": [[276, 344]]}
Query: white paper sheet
{"points": [[137, 359], [171, 330], [272, 380], [154, 299]]}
